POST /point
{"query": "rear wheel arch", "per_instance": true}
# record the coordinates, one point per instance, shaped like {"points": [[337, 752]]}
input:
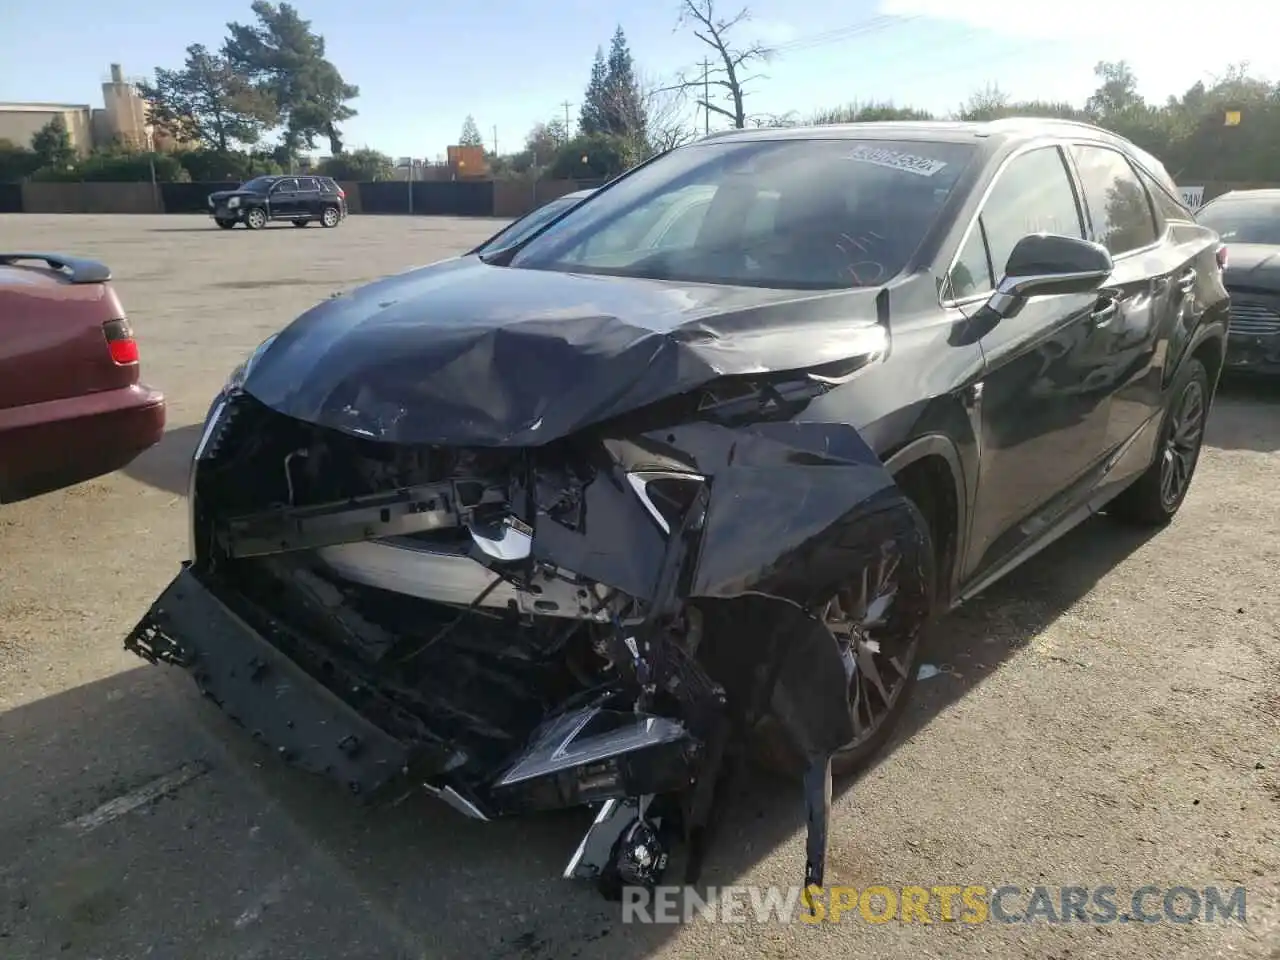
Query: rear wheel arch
{"points": [[928, 471]]}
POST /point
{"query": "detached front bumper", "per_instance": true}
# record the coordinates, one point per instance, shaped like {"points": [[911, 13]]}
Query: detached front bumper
{"points": [[264, 691]]}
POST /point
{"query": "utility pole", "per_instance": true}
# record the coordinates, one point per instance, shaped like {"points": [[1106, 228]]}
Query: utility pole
{"points": [[706, 93], [495, 139], [566, 106]]}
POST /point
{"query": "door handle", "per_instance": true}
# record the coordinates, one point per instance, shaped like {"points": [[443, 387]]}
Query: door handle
{"points": [[1187, 280], [1104, 312]]}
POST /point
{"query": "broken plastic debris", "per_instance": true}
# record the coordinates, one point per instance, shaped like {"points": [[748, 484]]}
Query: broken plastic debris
{"points": [[927, 671]]}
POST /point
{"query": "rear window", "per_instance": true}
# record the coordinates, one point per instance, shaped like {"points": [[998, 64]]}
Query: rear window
{"points": [[787, 214], [1243, 220]]}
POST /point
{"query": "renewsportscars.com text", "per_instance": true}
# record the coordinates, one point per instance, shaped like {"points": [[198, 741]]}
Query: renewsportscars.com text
{"points": [[943, 903]]}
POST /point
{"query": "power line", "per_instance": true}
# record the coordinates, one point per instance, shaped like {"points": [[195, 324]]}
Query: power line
{"points": [[847, 32]]}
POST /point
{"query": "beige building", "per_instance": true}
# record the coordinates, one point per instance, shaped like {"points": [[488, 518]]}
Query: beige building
{"points": [[122, 119]]}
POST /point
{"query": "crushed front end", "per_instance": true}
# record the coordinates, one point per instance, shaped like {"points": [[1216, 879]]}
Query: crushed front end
{"points": [[603, 619]]}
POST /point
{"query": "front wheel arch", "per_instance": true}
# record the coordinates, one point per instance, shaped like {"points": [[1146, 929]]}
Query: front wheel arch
{"points": [[928, 472]]}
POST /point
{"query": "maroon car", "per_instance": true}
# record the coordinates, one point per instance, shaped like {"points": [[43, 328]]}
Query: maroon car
{"points": [[71, 404]]}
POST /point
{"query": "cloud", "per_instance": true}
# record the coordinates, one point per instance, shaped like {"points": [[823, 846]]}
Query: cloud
{"points": [[1170, 44]]}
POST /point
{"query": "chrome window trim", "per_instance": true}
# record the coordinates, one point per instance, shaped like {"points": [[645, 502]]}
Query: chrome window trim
{"points": [[1077, 187], [1160, 234], [1039, 143]]}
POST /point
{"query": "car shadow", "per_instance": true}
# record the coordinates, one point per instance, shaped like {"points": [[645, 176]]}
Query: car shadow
{"points": [[166, 465], [1245, 414], [466, 888]]}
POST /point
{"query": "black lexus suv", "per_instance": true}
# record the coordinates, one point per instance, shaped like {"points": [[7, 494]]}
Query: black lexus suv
{"points": [[296, 199]]}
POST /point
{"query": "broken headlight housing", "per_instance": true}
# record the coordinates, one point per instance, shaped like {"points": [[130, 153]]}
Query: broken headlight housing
{"points": [[238, 376], [666, 494]]}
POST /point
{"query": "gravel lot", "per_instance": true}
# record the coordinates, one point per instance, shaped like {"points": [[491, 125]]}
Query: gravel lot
{"points": [[1110, 714]]}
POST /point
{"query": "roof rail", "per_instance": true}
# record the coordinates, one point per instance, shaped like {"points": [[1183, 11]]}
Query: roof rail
{"points": [[76, 269], [1050, 121]]}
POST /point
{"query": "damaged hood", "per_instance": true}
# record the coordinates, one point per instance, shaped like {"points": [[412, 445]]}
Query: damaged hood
{"points": [[464, 353]]}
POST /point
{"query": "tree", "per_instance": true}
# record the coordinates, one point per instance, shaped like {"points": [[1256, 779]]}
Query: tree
{"points": [[1118, 92], [624, 110], [667, 120], [592, 117], [556, 131], [730, 72], [285, 58], [16, 162], [471, 135], [592, 157], [868, 113], [52, 144], [363, 165], [992, 103], [1188, 134], [207, 102]]}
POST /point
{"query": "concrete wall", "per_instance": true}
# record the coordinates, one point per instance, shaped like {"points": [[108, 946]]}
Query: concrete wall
{"points": [[126, 111], [19, 122]]}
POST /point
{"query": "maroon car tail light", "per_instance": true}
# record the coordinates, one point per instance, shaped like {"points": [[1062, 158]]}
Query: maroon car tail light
{"points": [[1222, 256], [120, 342]]}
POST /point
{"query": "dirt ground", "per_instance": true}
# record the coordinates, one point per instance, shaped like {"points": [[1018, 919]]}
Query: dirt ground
{"points": [[1108, 715]]}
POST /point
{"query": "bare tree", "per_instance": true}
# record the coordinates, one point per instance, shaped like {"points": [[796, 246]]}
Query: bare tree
{"points": [[730, 71], [668, 123]]}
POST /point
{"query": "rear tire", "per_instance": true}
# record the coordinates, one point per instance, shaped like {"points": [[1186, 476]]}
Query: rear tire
{"points": [[301, 223], [331, 217], [1155, 497], [255, 218]]}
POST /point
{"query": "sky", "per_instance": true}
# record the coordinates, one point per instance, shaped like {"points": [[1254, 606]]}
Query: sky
{"points": [[423, 67]]}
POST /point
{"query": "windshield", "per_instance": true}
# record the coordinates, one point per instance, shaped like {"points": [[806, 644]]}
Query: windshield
{"points": [[527, 224], [788, 214], [257, 185], [1243, 221]]}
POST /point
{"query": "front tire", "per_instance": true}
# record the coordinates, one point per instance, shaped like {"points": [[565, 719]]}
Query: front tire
{"points": [[1155, 497], [879, 621], [255, 219], [225, 224]]}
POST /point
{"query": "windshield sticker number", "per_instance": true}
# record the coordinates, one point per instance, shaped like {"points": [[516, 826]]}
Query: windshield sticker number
{"points": [[908, 162]]}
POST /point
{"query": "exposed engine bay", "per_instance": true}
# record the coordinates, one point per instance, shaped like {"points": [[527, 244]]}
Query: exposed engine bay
{"points": [[613, 618]]}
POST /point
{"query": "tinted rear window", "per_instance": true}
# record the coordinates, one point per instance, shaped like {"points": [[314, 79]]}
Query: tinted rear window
{"points": [[1244, 220]]}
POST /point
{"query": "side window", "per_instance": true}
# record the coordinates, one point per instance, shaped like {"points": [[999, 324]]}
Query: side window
{"points": [[288, 185], [1168, 208], [308, 184], [1118, 203], [1032, 195]]}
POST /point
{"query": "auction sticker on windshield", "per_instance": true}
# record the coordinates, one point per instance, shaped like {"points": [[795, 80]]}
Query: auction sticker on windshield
{"points": [[909, 162]]}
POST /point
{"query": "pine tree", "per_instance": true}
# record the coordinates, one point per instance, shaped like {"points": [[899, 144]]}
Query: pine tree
{"points": [[471, 135], [625, 114], [594, 115]]}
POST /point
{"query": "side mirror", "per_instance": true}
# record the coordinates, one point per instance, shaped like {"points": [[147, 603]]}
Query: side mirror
{"points": [[1046, 263]]}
